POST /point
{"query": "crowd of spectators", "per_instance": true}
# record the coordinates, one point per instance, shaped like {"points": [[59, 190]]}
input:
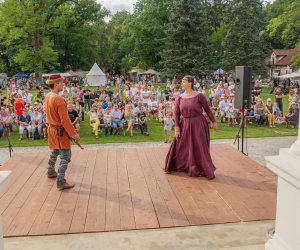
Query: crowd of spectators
{"points": [[120, 111]]}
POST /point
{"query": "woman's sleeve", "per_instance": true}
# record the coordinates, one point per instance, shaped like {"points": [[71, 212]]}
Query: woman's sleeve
{"points": [[206, 108], [177, 113]]}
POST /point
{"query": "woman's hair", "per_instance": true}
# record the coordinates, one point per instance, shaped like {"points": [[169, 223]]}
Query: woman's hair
{"points": [[189, 79]]}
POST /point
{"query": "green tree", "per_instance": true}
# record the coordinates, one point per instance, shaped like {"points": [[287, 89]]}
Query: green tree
{"points": [[116, 36], [187, 46], [243, 44], [145, 31], [79, 35], [24, 24], [296, 59], [286, 25]]}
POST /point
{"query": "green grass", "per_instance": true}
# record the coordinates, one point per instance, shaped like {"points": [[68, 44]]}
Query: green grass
{"points": [[157, 133]]}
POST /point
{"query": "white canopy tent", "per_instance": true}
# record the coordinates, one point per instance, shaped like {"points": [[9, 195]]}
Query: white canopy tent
{"points": [[96, 77], [291, 75], [219, 71]]}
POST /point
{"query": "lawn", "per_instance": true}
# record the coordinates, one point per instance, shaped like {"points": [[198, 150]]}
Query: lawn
{"points": [[157, 134]]}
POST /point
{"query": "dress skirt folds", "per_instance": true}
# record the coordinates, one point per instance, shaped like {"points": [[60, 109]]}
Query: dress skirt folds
{"points": [[191, 152]]}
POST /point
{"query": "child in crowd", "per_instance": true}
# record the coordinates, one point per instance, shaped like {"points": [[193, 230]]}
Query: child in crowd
{"points": [[94, 120], [168, 124], [230, 114], [130, 118]]}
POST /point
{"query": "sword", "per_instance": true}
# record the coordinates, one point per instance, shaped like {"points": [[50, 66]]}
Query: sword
{"points": [[78, 144]]}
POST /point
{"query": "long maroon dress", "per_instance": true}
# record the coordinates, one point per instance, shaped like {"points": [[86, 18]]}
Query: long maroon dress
{"points": [[190, 153]]}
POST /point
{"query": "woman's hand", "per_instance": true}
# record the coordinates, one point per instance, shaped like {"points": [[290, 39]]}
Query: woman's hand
{"points": [[214, 126], [177, 134]]}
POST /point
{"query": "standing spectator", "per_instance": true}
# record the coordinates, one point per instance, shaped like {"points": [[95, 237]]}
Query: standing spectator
{"points": [[279, 97], [211, 94], [168, 124], [87, 101], [257, 89], [130, 118]]}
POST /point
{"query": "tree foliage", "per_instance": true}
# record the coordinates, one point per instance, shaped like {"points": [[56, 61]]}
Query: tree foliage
{"points": [[243, 44], [187, 48], [172, 36]]}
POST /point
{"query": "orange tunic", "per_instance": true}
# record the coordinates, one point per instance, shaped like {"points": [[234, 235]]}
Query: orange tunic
{"points": [[57, 116]]}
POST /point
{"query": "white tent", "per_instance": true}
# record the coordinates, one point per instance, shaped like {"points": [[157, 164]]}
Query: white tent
{"points": [[292, 75], [219, 71], [96, 77]]}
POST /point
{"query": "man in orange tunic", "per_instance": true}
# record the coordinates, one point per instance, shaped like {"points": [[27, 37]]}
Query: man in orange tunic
{"points": [[60, 131]]}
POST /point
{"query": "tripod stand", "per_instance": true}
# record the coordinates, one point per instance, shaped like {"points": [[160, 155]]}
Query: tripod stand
{"points": [[10, 148], [242, 128]]}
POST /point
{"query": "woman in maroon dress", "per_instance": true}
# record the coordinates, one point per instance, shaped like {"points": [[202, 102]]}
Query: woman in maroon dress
{"points": [[189, 151]]}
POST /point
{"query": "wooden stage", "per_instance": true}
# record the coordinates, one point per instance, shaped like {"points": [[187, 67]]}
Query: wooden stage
{"points": [[125, 188]]}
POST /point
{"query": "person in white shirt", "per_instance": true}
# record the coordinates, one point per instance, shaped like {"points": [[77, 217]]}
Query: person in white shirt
{"points": [[133, 90], [27, 97], [146, 96], [152, 108]]}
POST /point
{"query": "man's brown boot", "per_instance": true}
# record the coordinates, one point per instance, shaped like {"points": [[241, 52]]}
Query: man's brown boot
{"points": [[52, 175], [65, 186]]}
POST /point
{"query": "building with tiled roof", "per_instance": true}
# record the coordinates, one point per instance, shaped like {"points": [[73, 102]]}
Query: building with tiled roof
{"points": [[279, 61]]}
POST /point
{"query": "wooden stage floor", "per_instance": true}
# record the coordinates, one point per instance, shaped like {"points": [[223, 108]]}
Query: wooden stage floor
{"points": [[125, 188]]}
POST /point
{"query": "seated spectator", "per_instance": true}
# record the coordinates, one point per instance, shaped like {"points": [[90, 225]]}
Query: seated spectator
{"points": [[270, 113], [19, 102], [259, 112], [222, 107], [94, 120], [280, 119], [107, 120], [36, 123], [292, 117], [230, 114], [130, 118], [153, 108], [5, 119], [74, 117], [215, 103], [24, 121], [143, 123], [116, 119]]}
